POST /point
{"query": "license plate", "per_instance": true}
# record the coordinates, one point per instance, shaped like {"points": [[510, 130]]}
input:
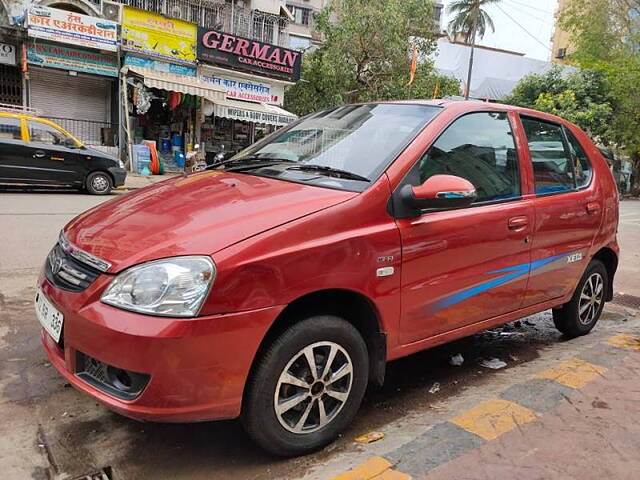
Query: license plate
{"points": [[50, 318]]}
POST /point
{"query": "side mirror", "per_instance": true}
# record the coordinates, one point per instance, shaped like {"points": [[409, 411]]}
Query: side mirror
{"points": [[440, 191], [69, 143]]}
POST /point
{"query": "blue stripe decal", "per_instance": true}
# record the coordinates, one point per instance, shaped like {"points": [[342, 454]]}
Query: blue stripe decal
{"points": [[512, 273]]}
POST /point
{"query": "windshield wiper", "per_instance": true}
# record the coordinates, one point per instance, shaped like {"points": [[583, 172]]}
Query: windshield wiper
{"points": [[330, 170], [254, 162]]}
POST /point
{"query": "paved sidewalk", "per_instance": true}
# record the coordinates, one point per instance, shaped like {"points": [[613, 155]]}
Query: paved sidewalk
{"points": [[578, 419], [135, 180]]}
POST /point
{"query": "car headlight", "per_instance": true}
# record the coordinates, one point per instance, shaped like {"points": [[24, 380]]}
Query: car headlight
{"points": [[171, 287], [120, 163]]}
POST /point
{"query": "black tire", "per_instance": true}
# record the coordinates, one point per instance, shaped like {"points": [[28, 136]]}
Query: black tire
{"points": [[259, 416], [98, 183], [569, 319]]}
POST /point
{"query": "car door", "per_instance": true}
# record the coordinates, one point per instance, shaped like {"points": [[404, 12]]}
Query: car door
{"points": [[50, 157], [13, 151], [568, 212], [466, 265]]}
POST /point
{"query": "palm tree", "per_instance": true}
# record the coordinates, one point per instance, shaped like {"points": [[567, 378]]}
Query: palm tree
{"points": [[470, 21]]}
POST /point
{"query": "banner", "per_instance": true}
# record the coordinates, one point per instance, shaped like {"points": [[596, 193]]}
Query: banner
{"points": [[165, 38], [159, 66], [232, 51], [74, 28], [44, 54], [241, 89], [252, 115]]}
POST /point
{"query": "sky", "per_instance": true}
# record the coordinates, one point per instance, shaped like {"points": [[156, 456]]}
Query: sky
{"points": [[532, 37]]}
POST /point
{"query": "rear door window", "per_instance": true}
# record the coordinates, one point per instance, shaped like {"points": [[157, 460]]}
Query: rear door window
{"points": [[480, 148], [552, 167], [10, 128], [581, 163]]}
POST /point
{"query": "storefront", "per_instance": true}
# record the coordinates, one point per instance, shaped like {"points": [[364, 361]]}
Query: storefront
{"points": [[254, 76], [73, 70], [163, 92]]}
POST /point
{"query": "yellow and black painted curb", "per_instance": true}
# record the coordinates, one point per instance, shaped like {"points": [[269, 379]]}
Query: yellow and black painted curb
{"points": [[520, 404]]}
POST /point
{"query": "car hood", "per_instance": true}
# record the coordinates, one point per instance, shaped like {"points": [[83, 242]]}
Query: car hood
{"points": [[198, 214], [97, 153]]}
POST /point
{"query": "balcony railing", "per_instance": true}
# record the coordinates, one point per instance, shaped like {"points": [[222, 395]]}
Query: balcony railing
{"points": [[89, 132], [221, 15]]}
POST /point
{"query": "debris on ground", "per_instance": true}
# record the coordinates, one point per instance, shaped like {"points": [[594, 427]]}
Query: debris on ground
{"points": [[370, 437], [529, 322], [517, 324], [434, 388], [493, 363], [514, 358], [457, 360]]}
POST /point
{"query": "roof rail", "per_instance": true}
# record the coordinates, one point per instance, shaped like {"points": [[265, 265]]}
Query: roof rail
{"points": [[7, 107]]}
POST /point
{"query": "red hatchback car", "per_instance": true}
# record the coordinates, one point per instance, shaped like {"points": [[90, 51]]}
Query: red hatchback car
{"points": [[276, 287]]}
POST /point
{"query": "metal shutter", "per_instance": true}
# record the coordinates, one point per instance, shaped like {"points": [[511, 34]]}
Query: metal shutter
{"points": [[58, 94]]}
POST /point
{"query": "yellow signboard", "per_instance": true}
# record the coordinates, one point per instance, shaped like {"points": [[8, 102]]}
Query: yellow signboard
{"points": [[152, 34]]}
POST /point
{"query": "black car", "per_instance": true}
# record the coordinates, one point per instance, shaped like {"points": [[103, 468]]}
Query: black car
{"points": [[36, 151]]}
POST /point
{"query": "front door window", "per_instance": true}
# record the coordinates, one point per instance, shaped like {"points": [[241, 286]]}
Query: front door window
{"points": [[43, 133]]}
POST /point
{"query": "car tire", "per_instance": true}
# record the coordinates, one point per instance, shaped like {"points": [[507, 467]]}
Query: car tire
{"points": [[324, 403], [98, 183], [581, 313]]}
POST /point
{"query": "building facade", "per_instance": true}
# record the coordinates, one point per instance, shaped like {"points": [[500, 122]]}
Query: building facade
{"points": [[168, 74], [561, 40]]}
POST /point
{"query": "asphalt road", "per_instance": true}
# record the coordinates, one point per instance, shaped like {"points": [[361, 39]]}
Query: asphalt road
{"points": [[51, 431]]}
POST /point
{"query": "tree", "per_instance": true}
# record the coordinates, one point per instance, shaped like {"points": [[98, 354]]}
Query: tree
{"points": [[470, 21], [366, 56], [583, 97], [605, 36]]}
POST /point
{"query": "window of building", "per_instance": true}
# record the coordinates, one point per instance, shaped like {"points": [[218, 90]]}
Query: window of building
{"points": [[480, 148], [552, 169], [301, 15], [581, 163], [10, 128], [43, 133], [299, 43]]}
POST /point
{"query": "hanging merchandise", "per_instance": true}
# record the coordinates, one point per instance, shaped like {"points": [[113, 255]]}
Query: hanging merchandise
{"points": [[143, 102]]}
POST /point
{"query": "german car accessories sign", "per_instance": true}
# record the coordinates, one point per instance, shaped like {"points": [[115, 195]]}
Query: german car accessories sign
{"points": [[74, 28], [246, 54]]}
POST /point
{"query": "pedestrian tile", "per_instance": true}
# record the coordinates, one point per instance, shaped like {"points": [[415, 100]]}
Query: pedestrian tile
{"points": [[624, 340], [438, 445], [493, 418], [574, 373], [538, 394]]}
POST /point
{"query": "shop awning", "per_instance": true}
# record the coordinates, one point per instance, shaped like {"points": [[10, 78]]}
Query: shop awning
{"points": [[253, 112], [178, 83]]}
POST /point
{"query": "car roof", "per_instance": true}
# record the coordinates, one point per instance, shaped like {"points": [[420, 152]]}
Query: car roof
{"points": [[19, 115]]}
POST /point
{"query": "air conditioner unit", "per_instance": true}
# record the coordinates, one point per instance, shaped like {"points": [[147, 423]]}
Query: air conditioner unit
{"points": [[112, 11]]}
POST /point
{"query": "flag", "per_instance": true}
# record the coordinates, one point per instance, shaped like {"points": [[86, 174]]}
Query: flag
{"points": [[414, 65]]}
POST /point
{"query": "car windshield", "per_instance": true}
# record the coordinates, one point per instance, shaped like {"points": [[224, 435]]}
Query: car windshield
{"points": [[347, 144]]}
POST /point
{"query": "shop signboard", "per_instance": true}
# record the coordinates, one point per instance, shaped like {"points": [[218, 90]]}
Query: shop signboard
{"points": [[74, 28], [159, 66], [49, 55], [243, 53], [253, 115], [164, 38], [7, 54], [242, 89]]}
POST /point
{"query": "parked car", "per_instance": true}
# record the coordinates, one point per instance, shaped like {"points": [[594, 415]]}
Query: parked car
{"points": [[36, 151], [276, 287]]}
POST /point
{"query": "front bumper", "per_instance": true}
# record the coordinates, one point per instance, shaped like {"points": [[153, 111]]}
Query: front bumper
{"points": [[119, 176], [197, 366]]}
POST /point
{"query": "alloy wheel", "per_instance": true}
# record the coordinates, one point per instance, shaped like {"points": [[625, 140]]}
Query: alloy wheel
{"points": [[313, 387], [100, 183], [590, 299]]}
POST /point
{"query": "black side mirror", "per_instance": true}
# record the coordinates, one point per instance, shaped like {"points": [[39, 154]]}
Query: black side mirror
{"points": [[69, 143]]}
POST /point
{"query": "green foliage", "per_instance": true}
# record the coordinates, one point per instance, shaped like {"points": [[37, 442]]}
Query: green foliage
{"points": [[366, 55], [583, 97], [469, 16]]}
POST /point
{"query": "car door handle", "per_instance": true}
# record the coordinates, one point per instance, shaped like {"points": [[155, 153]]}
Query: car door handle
{"points": [[518, 223], [39, 154], [593, 208]]}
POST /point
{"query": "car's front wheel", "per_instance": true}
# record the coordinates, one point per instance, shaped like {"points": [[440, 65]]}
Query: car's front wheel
{"points": [[307, 386], [98, 183]]}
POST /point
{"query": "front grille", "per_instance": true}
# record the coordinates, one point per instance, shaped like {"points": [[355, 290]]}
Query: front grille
{"points": [[117, 382], [67, 273]]}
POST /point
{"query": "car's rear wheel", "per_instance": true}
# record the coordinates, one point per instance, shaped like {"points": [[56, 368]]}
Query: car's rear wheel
{"points": [[307, 386], [581, 313], [98, 183]]}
